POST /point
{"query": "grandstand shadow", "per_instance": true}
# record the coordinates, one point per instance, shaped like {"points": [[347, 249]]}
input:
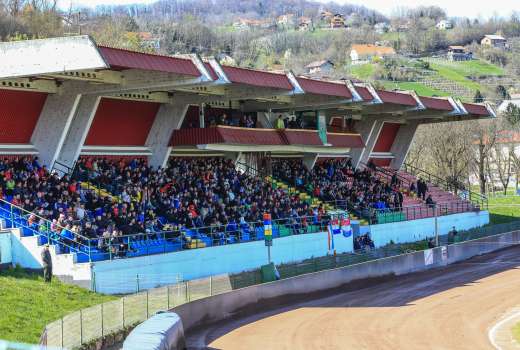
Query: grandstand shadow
{"points": [[389, 291]]}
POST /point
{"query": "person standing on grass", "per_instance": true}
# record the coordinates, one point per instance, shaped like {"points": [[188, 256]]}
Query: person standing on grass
{"points": [[47, 264]]}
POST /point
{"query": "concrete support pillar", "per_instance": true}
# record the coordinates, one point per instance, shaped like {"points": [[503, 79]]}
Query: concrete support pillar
{"points": [[168, 118], [402, 143], [77, 132], [54, 123], [264, 121], [309, 159], [369, 131], [202, 107]]}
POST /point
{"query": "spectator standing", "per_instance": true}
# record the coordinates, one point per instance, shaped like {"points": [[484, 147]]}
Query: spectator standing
{"points": [[279, 123], [47, 264]]}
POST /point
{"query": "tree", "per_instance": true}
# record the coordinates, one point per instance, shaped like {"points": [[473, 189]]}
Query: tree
{"points": [[484, 134], [478, 97], [502, 93], [512, 115]]}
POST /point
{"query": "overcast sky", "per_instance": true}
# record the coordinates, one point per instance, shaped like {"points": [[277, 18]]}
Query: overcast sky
{"points": [[460, 8]]}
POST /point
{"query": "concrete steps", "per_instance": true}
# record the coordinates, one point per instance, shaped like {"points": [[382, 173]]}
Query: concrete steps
{"points": [[313, 201]]}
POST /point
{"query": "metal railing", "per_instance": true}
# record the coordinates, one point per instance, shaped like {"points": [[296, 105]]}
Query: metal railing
{"points": [[62, 168], [107, 248], [477, 199], [397, 214], [45, 230], [98, 321], [86, 325]]}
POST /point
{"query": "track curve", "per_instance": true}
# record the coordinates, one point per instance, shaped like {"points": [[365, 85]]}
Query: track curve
{"points": [[445, 308]]}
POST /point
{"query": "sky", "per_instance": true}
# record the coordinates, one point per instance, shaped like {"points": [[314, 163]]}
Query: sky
{"points": [[455, 8]]}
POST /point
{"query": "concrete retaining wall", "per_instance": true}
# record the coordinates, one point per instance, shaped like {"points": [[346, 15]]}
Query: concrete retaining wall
{"points": [[119, 276], [221, 306]]}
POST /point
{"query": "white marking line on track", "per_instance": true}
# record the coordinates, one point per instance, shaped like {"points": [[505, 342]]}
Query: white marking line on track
{"points": [[492, 332]]}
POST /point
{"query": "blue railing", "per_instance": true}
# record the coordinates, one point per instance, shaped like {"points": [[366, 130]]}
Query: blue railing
{"points": [[107, 248], [45, 230]]}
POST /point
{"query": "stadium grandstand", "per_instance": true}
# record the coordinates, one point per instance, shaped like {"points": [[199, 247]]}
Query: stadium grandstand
{"points": [[107, 154]]}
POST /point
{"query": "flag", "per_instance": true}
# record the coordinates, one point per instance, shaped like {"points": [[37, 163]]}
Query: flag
{"points": [[346, 228], [335, 228]]}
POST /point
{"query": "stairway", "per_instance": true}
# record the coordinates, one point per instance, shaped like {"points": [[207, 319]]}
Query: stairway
{"points": [[313, 201], [88, 186], [446, 202]]}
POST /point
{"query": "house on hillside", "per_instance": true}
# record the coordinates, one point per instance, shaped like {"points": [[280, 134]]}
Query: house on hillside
{"points": [[243, 23], [444, 25], [319, 67], [364, 53], [304, 23], [458, 53], [326, 16], [515, 100], [381, 27], [338, 21], [286, 21], [496, 41], [148, 39]]}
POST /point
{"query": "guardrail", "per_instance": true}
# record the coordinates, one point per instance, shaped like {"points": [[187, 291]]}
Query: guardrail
{"points": [[397, 214], [477, 199], [96, 322]]}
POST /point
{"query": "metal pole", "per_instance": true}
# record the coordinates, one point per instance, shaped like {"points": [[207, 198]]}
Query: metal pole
{"points": [[81, 327], [102, 323], [147, 304], [268, 254], [436, 226]]}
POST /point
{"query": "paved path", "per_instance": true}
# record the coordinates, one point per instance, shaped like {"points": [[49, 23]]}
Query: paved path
{"points": [[446, 308]]}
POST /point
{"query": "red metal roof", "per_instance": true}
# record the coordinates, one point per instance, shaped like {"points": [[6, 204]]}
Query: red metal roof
{"points": [[257, 78], [320, 87], [303, 137], [397, 98], [345, 140], [224, 134], [364, 93], [436, 103], [264, 137], [476, 109], [125, 59]]}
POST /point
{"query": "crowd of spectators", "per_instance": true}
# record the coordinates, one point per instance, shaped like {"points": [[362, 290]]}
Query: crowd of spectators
{"points": [[337, 181], [75, 215], [189, 193], [207, 193], [363, 242]]}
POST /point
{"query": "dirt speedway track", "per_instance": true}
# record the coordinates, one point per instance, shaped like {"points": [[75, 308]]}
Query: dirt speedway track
{"points": [[445, 308]]}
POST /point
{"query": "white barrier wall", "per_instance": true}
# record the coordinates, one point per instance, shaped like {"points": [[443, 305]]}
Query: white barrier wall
{"points": [[5, 248], [416, 230], [222, 306], [121, 276]]}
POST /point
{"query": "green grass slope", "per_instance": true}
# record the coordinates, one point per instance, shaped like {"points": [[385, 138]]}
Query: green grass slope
{"points": [[28, 304]]}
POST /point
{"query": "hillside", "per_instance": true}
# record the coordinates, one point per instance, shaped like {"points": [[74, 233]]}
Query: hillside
{"points": [[439, 77]]}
